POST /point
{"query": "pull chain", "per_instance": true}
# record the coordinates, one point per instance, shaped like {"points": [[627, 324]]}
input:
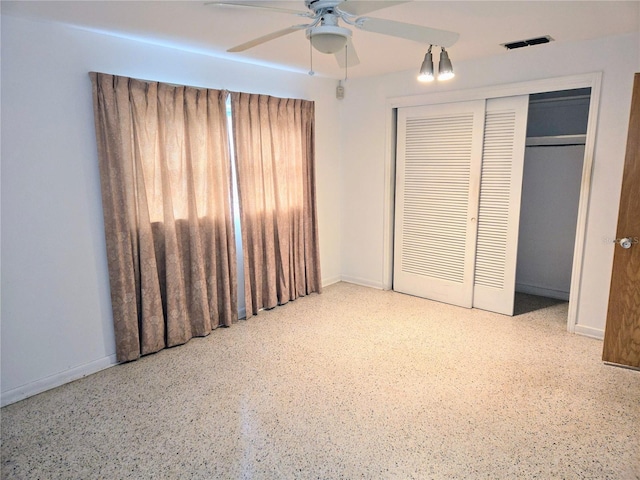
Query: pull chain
{"points": [[311, 72], [346, 63]]}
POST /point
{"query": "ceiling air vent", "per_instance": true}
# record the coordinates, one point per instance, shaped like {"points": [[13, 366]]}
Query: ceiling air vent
{"points": [[527, 43]]}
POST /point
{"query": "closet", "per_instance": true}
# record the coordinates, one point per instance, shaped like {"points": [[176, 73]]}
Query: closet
{"points": [[553, 162], [459, 178]]}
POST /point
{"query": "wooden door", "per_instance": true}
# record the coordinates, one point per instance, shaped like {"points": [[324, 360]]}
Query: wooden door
{"points": [[622, 334], [439, 152]]}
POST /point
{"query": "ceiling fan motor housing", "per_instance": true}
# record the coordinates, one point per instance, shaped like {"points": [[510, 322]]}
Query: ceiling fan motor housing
{"points": [[328, 38]]}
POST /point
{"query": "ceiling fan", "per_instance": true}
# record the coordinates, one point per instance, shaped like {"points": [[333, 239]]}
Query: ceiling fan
{"points": [[327, 36]]}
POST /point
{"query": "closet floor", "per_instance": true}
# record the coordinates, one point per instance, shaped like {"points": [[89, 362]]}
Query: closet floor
{"points": [[526, 303]]}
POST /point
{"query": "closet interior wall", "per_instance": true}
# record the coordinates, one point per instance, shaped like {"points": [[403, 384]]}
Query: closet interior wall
{"points": [[554, 158]]}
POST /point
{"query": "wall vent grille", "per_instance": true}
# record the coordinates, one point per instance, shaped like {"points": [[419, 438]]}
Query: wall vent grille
{"points": [[527, 43]]}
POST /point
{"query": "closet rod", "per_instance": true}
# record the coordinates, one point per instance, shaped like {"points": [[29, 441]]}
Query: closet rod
{"points": [[556, 140], [556, 99]]}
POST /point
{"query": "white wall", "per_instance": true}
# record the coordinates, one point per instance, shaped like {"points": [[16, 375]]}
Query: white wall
{"points": [[56, 310], [364, 149]]}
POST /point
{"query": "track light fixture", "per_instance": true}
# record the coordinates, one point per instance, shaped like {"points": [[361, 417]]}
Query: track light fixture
{"points": [[445, 69], [426, 70]]}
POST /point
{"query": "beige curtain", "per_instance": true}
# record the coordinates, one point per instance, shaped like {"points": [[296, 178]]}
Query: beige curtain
{"points": [[166, 191], [274, 154]]}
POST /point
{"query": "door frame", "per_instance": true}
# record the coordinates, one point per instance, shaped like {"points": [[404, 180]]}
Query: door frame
{"points": [[590, 80]]}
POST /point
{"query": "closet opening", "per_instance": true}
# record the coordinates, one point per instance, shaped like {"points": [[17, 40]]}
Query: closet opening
{"points": [[552, 179]]}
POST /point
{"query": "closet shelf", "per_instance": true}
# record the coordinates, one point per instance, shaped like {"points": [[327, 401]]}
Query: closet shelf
{"points": [[556, 140]]}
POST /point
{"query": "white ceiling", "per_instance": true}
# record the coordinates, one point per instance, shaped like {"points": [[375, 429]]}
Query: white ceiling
{"points": [[482, 25]]}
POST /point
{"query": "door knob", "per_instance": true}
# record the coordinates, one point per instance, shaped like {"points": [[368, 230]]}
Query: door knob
{"points": [[626, 242]]}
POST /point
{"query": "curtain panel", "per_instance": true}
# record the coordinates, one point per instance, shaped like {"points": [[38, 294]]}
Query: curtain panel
{"points": [[165, 173], [275, 165]]}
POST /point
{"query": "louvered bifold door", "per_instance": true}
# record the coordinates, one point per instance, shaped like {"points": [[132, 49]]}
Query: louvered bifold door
{"points": [[499, 213], [438, 159]]}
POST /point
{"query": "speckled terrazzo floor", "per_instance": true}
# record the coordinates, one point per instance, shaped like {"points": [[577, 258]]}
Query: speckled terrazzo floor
{"points": [[353, 383]]}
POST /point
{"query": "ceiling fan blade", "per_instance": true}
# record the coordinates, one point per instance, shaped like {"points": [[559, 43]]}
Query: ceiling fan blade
{"points": [[265, 38], [418, 33], [362, 7], [347, 57], [301, 13]]}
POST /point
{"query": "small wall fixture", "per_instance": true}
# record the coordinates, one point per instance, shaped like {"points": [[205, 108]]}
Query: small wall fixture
{"points": [[445, 69]]}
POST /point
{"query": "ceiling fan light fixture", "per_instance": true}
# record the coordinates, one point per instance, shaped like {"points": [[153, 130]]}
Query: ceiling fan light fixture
{"points": [[445, 69], [328, 38], [426, 69]]}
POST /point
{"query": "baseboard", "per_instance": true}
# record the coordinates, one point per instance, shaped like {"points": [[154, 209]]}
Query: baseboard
{"points": [[330, 281], [56, 380], [542, 292], [589, 332], [363, 281]]}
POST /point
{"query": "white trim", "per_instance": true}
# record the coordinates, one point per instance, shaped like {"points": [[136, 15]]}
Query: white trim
{"points": [[588, 80], [56, 380], [591, 332], [363, 282], [388, 214], [542, 292], [583, 204], [330, 281]]}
